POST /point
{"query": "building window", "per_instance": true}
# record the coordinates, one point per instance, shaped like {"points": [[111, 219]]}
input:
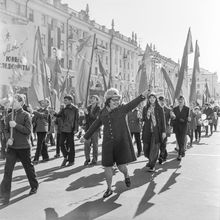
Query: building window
{"points": [[120, 63], [52, 24], [43, 39], [96, 70], [17, 8], [62, 28], [70, 47], [106, 60], [70, 64], [128, 66], [31, 15], [106, 46], [62, 62], [198, 86], [44, 20], [62, 45]]}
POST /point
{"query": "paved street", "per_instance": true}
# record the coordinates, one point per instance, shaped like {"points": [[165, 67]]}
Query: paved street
{"points": [[187, 190]]}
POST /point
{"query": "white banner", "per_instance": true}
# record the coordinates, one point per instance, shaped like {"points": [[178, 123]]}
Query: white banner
{"points": [[16, 54]]}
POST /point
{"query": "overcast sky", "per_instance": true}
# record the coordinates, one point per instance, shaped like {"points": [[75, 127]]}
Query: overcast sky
{"points": [[164, 23]]}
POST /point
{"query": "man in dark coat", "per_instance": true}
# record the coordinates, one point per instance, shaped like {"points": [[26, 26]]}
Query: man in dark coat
{"points": [[18, 147], [117, 145], [69, 126], [180, 125], [91, 114]]}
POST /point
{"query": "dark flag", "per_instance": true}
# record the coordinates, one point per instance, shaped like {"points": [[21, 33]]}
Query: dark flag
{"points": [[196, 71], [184, 64], [144, 71], [169, 82], [103, 72]]}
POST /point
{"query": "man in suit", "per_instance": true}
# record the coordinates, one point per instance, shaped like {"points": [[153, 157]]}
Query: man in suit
{"points": [[180, 125], [209, 116]]}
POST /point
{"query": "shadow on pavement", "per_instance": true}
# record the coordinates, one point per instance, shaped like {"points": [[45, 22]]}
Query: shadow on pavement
{"points": [[86, 182], [87, 211]]}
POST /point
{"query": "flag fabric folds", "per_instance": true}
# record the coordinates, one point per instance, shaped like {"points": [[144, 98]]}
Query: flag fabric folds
{"points": [[196, 71], [169, 82], [83, 62], [144, 71], [39, 85], [184, 65], [103, 72]]}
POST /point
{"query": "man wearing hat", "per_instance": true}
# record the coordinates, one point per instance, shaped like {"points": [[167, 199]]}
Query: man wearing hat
{"points": [[91, 113]]}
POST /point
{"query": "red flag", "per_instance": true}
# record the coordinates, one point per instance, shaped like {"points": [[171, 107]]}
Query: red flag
{"points": [[196, 71], [184, 65], [103, 72], [40, 84]]}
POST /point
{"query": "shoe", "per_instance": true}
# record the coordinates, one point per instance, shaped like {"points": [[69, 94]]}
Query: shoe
{"points": [[4, 201], [179, 158], [128, 181], [33, 191], [160, 160], [57, 156], [35, 162], [93, 163], [147, 165], [151, 169], [45, 160], [138, 154], [107, 193], [70, 164], [86, 162], [64, 162]]}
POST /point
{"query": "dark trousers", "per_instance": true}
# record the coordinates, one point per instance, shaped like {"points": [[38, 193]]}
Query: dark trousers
{"points": [[41, 146], [3, 146], [163, 149], [93, 141], [198, 132], [151, 151], [68, 149], [24, 155], [137, 137], [58, 144], [50, 139], [180, 138]]}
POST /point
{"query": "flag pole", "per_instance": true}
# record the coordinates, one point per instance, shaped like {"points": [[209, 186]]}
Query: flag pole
{"points": [[90, 70]]}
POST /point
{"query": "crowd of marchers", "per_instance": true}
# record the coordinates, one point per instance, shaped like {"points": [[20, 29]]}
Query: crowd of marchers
{"points": [[147, 118]]}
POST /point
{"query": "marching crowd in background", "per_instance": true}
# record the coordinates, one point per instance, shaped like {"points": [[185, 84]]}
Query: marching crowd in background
{"points": [[147, 118]]}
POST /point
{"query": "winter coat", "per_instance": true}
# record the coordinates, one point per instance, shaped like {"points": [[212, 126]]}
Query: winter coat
{"points": [[134, 122], [181, 120], [69, 119], [22, 130], [115, 131], [158, 129], [41, 120]]}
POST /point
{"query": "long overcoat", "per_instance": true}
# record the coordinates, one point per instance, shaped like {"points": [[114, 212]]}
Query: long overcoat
{"points": [[115, 131], [159, 129]]}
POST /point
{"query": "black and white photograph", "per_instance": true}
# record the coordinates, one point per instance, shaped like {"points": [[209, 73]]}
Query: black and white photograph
{"points": [[109, 109]]}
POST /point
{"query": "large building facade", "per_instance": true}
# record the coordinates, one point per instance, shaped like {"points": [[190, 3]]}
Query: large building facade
{"points": [[211, 79], [61, 27]]}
